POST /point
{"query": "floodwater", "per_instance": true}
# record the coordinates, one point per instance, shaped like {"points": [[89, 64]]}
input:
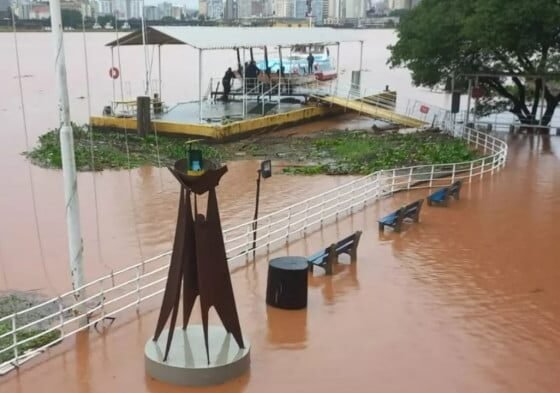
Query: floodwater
{"points": [[465, 301]]}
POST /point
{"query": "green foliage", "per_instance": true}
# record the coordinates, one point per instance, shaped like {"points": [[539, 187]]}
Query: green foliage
{"points": [[17, 302], [7, 341], [71, 18], [440, 38], [110, 150], [363, 152]]}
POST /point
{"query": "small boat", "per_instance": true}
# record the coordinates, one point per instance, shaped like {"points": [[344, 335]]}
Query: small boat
{"points": [[295, 65]]}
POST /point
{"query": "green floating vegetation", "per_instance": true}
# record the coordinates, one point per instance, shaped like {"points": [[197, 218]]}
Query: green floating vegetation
{"points": [[336, 152], [16, 302], [112, 150], [38, 342], [363, 152]]}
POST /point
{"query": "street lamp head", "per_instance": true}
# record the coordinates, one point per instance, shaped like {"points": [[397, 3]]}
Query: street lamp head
{"points": [[266, 168]]}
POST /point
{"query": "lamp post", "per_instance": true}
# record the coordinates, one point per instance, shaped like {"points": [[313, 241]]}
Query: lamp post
{"points": [[265, 171]]}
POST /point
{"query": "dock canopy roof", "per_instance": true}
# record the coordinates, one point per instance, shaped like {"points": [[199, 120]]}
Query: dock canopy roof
{"points": [[200, 37]]}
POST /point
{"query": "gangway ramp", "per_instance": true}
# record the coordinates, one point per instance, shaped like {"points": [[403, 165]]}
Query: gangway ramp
{"points": [[374, 111]]}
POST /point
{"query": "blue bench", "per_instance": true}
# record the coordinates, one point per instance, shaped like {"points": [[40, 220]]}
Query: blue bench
{"points": [[327, 257], [395, 219], [441, 196]]}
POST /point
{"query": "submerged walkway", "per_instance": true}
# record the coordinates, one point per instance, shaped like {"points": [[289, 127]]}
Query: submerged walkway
{"points": [[465, 301], [363, 107]]}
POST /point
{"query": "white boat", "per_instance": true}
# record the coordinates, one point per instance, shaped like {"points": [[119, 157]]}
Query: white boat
{"points": [[296, 65], [108, 26]]}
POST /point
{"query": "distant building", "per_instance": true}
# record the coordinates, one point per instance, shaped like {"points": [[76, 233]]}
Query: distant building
{"points": [[215, 9], [244, 8], [104, 7], [151, 12], [165, 10], [40, 11], [284, 8], [177, 12], [403, 4], [202, 8], [309, 9], [4, 6], [230, 10]]}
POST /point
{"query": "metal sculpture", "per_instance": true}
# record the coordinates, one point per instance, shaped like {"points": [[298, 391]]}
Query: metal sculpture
{"points": [[198, 261]]}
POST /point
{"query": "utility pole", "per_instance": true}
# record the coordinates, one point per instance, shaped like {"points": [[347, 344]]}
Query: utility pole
{"points": [[75, 243]]}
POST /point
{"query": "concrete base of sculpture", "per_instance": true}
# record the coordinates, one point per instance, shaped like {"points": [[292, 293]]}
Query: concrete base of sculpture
{"points": [[187, 363]]}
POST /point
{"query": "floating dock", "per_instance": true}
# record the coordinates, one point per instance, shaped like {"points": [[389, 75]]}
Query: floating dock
{"points": [[221, 120]]}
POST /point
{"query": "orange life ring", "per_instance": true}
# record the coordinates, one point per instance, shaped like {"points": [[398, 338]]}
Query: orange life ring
{"points": [[114, 72]]}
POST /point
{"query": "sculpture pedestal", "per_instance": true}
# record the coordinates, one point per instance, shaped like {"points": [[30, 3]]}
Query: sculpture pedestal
{"points": [[187, 364]]}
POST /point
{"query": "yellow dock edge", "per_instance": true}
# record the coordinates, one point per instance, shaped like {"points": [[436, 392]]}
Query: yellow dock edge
{"points": [[218, 131]]}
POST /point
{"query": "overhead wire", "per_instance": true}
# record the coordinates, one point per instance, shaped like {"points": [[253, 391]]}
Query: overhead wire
{"points": [[133, 204], [91, 152], [29, 169]]}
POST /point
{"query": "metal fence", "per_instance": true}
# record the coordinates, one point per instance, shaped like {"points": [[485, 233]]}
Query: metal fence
{"points": [[29, 332]]}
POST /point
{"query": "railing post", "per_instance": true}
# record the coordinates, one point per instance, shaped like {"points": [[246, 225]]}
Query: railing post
{"points": [[248, 241], [137, 289], [432, 176], [409, 179], [378, 188], [453, 173], [305, 219], [352, 199], [321, 213], [471, 172], [14, 340], [482, 168], [393, 182], [288, 227], [268, 235], [102, 300], [61, 316], [485, 142]]}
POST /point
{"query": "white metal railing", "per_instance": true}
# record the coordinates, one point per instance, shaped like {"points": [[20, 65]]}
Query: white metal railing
{"points": [[61, 317]]}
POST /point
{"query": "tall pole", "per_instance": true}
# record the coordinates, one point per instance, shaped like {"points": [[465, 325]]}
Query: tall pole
{"points": [[361, 56], [337, 66], [200, 85], [475, 101], [244, 101], [543, 83], [469, 94], [159, 70], [256, 215], [145, 50], [280, 76], [75, 244]]}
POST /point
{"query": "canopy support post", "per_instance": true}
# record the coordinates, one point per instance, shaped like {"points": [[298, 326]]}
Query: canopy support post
{"points": [[200, 85], [543, 87], [244, 101], [279, 78], [337, 67], [113, 79], [361, 57], [159, 70]]}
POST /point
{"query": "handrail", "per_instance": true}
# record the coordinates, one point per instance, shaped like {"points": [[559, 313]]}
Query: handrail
{"points": [[128, 287]]}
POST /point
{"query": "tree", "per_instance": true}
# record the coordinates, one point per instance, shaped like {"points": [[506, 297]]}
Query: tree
{"points": [[71, 18], [441, 38]]}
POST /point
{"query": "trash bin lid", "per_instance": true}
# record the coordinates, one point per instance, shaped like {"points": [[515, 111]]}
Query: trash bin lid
{"points": [[289, 263]]}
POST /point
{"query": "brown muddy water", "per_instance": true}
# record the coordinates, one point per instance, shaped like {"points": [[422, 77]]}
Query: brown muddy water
{"points": [[466, 301]]}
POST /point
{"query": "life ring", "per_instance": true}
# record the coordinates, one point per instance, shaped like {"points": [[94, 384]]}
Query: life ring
{"points": [[114, 72]]}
